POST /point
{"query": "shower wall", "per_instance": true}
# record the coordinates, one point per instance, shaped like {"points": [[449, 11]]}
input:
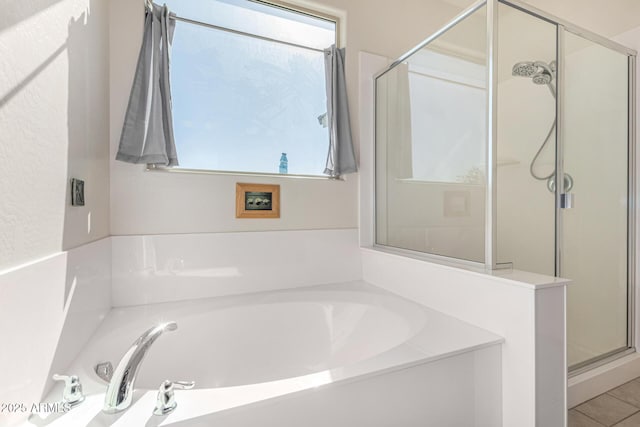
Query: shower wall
{"points": [[594, 234], [593, 237], [526, 112], [526, 212]]}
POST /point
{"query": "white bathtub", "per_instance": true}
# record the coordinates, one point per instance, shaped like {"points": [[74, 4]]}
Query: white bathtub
{"points": [[339, 355]]}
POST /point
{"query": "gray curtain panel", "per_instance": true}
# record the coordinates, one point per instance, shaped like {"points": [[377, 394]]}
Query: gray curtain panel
{"points": [[341, 158], [147, 133]]}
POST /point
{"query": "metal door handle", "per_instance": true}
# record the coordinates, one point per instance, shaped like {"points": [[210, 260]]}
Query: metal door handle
{"points": [[567, 200]]}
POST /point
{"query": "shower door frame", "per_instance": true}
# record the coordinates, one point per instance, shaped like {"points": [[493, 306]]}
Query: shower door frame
{"points": [[490, 256], [562, 27]]}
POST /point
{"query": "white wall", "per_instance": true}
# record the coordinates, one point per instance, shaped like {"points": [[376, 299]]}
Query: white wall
{"points": [[158, 203], [53, 127], [388, 29], [606, 18], [528, 315], [155, 203], [53, 116], [159, 268], [50, 309]]}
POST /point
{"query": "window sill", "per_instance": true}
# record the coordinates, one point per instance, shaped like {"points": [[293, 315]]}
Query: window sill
{"points": [[152, 168]]}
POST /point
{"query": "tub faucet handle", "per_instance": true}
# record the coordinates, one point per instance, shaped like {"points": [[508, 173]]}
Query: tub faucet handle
{"points": [[166, 402], [72, 393]]}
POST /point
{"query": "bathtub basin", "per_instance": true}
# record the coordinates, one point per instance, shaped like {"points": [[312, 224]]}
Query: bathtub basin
{"points": [[342, 355]]}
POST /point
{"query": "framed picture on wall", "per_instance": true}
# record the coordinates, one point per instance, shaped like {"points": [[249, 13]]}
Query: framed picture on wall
{"points": [[257, 200]]}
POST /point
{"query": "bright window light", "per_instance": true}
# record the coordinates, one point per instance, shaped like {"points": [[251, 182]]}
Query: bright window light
{"points": [[241, 101]]}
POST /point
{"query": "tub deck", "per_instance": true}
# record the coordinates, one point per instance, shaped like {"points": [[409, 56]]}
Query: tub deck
{"points": [[427, 336]]}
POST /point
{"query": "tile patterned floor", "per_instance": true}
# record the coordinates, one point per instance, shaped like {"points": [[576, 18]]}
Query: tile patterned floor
{"points": [[619, 407]]}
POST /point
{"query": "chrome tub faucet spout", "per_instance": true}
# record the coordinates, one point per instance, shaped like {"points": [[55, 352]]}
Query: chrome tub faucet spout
{"points": [[120, 390]]}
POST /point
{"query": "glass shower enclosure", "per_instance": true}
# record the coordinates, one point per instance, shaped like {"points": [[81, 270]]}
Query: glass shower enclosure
{"points": [[507, 140]]}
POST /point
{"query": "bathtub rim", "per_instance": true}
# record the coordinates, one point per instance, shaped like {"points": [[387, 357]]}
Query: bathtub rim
{"points": [[392, 360]]}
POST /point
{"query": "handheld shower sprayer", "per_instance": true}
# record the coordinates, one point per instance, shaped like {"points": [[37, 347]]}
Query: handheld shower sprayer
{"points": [[542, 73]]}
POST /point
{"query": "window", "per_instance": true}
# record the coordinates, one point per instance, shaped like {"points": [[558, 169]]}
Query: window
{"points": [[249, 91]]}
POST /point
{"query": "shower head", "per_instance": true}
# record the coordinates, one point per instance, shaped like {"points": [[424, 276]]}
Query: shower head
{"points": [[524, 69], [541, 78], [540, 72]]}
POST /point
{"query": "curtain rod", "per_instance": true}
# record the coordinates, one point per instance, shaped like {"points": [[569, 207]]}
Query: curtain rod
{"points": [[242, 33]]}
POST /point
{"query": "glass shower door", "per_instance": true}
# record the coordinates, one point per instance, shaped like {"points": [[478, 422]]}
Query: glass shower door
{"points": [[526, 140], [593, 235]]}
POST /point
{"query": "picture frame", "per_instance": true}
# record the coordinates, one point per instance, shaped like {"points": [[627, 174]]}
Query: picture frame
{"points": [[257, 200]]}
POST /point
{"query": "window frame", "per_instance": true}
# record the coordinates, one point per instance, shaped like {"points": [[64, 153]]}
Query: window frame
{"points": [[306, 11], [336, 18]]}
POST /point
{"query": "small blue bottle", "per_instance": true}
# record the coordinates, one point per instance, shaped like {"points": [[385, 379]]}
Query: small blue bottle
{"points": [[284, 163]]}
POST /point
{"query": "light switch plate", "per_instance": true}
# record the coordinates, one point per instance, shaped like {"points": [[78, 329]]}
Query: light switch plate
{"points": [[77, 192]]}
